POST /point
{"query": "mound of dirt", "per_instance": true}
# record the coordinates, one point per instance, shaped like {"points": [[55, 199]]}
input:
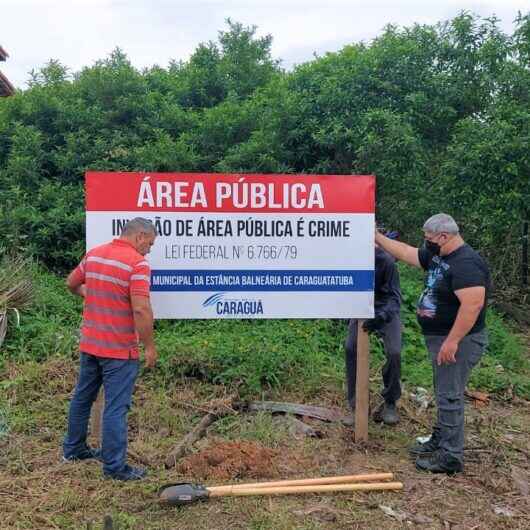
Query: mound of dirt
{"points": [[230, 460]]}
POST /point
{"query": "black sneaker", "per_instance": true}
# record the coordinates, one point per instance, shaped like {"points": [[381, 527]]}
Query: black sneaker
{"points": [[85, 454], [128, 473], [440, 462], [425, 449], [386, 413]]}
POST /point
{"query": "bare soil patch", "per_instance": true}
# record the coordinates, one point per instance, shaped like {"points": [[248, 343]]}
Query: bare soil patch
{"points": [[229, 461]]}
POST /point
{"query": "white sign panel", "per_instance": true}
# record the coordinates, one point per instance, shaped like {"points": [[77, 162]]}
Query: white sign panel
{"points": [[246, 246]]}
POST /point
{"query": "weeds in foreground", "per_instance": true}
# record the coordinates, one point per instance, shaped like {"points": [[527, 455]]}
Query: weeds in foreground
{"points": [[255, 357]]}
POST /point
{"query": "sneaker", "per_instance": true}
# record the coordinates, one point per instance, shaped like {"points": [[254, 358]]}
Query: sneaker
{"points": [[85, 454], [128, 473], [386, 413], [440, 462], [426, 448]]}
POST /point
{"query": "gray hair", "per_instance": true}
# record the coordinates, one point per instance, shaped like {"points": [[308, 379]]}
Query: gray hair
{"points": [[138, 224], [441, 222]]}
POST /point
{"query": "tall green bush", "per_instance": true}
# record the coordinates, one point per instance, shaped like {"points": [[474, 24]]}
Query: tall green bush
{"points": [[439, 113]]}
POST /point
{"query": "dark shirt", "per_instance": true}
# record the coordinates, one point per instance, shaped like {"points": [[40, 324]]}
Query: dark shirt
{"points": [[387, 292], [438, 304]]}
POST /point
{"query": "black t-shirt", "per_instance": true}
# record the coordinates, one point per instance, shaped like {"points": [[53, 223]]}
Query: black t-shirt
{"points": [[438, 305]]}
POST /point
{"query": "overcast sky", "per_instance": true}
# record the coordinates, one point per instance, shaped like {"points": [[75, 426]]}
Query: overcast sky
{"points": [[78, 32]]}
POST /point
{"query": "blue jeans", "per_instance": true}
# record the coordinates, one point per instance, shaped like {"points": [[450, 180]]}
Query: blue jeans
{"points": [[118, 377]]}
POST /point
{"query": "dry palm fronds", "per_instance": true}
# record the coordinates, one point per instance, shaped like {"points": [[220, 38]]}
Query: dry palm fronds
{"points": [[15, 286], [3, 326]]}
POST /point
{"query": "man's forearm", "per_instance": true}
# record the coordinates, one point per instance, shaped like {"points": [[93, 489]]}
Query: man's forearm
{"points": [[79, 290], [399, 250], [143, 321], [465, 320]]}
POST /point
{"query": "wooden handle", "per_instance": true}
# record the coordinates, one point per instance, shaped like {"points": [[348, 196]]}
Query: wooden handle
{"points": [[317, 488], [344, 479]]}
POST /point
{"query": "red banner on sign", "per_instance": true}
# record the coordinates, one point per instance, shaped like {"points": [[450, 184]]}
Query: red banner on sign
{"points": [[216, 192]]}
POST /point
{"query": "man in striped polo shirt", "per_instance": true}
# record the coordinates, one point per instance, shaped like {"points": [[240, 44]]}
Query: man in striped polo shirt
{"points": [[114, 281]]}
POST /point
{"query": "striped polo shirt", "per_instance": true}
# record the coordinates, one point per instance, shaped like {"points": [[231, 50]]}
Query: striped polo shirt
{"points": [[111, 273]]}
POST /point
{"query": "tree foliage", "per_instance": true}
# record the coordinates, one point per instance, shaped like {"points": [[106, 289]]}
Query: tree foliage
{"points": [[440, 113]]}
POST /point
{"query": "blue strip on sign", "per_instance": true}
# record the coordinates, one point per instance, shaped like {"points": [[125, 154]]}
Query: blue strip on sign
{"points": [[262, 280]]}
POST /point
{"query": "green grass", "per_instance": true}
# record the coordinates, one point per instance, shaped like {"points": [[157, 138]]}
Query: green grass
{"points": [[261, 427], [50, 326], [254, 355], [258, 356]]}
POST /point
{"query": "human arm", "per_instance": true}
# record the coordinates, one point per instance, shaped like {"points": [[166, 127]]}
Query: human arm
{"points": [[398, 249], [143, 322], [139, 287], [472, 300], [76, 280]]}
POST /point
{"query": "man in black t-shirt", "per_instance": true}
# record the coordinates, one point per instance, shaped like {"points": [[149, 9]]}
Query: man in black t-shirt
{"points": [[386, 324], [451, 312]]}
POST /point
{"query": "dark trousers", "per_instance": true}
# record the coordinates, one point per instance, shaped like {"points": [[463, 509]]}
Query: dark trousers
{"points": [[450, 382], [117, 377], [390, 333]]}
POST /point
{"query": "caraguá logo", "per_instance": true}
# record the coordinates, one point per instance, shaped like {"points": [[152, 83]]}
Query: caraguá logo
{"points": [[233, 306]]}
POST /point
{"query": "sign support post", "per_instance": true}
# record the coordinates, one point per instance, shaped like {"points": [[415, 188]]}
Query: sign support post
{"points": [[96, 418], [362, 395]]}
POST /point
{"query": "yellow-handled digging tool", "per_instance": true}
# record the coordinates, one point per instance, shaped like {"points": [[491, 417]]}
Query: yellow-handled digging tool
{"points": [[186, 493], [341, 479]]}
